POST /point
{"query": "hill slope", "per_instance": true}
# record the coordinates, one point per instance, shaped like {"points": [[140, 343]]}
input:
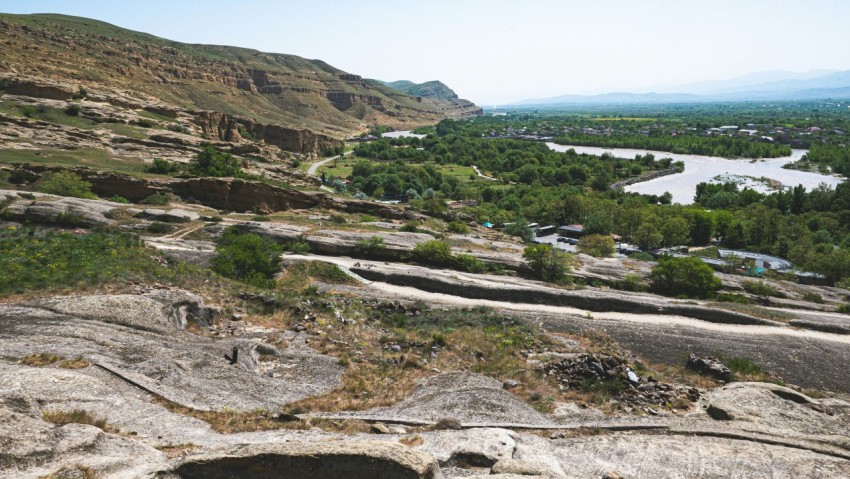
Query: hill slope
{"points": [[269, 88], [429, 89]]}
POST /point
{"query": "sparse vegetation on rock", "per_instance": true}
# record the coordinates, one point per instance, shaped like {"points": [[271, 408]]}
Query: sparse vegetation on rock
{"points": [[65, 183], [248, 258], [548, 263], [687, 276]]}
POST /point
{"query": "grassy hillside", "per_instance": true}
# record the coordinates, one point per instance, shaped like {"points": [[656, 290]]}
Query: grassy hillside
{"points": [[429, 89], [271, 88]]}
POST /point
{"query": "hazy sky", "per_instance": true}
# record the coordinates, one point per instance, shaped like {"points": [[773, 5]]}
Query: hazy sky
{"points": [[494, 51]]}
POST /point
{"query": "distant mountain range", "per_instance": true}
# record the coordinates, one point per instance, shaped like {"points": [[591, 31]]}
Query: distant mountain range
{"points": [[762, 86]]}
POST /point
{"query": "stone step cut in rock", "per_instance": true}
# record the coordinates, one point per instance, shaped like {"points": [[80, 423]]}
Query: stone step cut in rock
{"points": [[329, 460]]}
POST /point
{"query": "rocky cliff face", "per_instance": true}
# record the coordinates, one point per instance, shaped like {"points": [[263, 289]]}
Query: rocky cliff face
{"points": [[224, 127], [271, 89]]}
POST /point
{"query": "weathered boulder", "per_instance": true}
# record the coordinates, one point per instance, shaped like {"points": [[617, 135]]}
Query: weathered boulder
{"points": [[139, 338], [772, 409], [518, 467], [470, 447], [175, 215], [57, 210], [710, 366], [326, 460]]}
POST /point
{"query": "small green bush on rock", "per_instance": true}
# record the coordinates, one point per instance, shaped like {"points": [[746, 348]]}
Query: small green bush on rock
{"points": [[687, 276], [65, 183], [248, 258]]}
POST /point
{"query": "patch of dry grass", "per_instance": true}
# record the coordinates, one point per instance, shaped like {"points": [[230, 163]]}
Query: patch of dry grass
{"points": [[76, 416], [412, 441], [466, 340], [73, 472], [48, 359], [40, 359], [177, 450], [228, 421], [76, 363]]}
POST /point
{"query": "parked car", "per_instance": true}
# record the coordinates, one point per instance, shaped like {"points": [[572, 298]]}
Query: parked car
{"points": [[562, 239]]}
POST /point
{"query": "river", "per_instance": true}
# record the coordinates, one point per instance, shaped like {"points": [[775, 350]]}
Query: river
{"points": [[399, 134], [712, 169]]}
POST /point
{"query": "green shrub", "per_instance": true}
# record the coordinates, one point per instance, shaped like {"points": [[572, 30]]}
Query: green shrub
{"points": [[519, 229], [458, 227], [469, 263], [760, 288], [69, 220], [248, 258], [599, 246], [210, 162], [66, 183], [119, 199], [338, 219], [631, 282], [73, 109], [39, 260], [369, 246], [299, 247], [367, 218], [163, 167], [732, 298], [261, 218], [158, 228], [812, 297], [434, 252], [145, 123], [158, 199], [81, 94], [642, 256], [178, 128], [844, 308], [21, 177], [687, 276], [410, 227], [548, 263]]}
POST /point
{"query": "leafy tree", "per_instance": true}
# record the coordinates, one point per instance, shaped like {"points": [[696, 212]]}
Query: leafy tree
{"points": [[548, 263], [457, 227], [598, 224], [247, 257], [433, 252], [65, 183], [701, 228], [600, 246], [163, 167], [210, 162], [520, 229], [687, 276]]}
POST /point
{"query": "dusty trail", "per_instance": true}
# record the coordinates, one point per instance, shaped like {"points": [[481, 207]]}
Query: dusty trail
{"points": [[812, 359], [647, 319]]}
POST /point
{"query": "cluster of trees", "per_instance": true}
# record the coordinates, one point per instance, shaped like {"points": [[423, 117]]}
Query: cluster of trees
{"points": [[512, 161], [809, 227], [723, 146], [833, 158]]}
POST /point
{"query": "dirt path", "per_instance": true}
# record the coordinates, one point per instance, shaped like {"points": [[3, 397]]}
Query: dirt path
{"points": [[315, 166], [811, 359]]}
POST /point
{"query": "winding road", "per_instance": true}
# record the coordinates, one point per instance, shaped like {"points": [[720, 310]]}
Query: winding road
{"points": [[315, 166]]}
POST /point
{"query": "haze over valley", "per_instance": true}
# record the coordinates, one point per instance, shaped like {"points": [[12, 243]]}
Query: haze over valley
{"points": [[455, 240]]}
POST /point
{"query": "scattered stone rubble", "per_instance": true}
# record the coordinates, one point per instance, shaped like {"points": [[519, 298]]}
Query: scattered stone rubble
{"points": [[629, 391]]}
